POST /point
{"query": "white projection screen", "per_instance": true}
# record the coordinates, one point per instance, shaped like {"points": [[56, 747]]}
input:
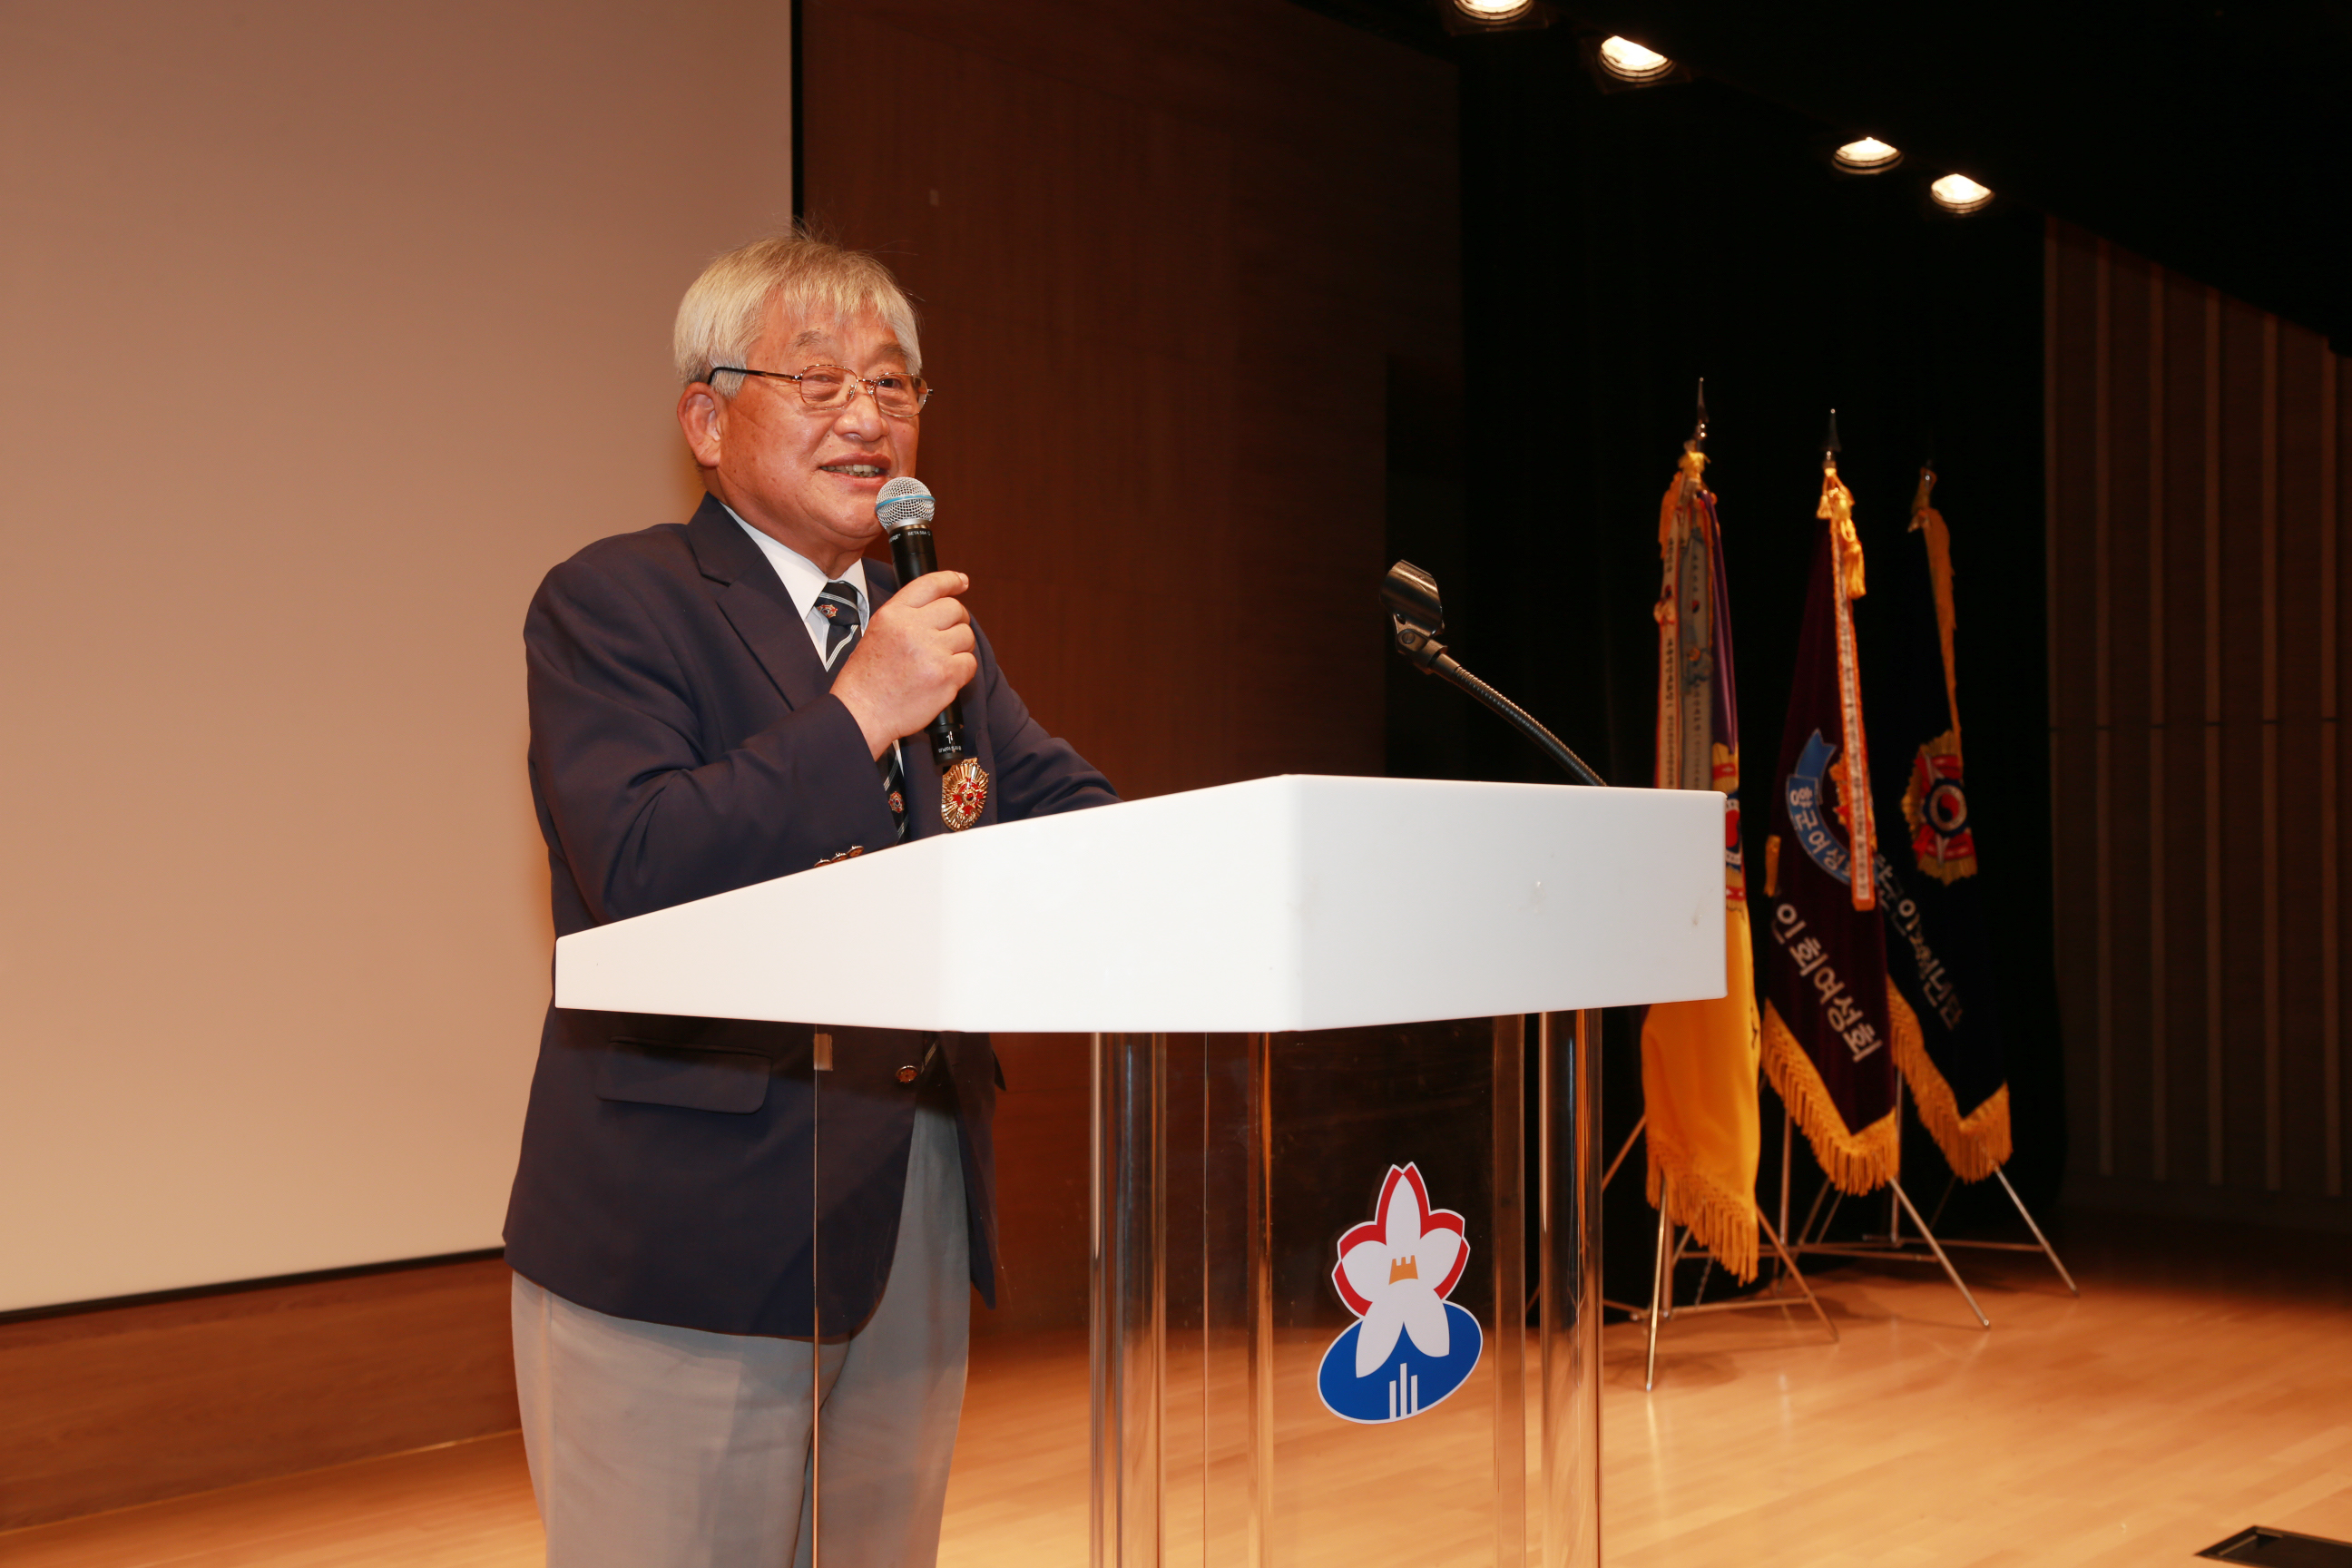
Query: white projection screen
{"points": [[328, 328]]}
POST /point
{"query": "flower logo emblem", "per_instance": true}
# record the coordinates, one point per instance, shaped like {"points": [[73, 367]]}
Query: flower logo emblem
{"points": [[1409, 1347]]}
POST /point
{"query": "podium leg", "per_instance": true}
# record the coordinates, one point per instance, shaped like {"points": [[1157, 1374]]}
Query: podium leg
{"points": [[1261, 1300], [1128, 1283], [1509, 1332], [1569, 1094]]}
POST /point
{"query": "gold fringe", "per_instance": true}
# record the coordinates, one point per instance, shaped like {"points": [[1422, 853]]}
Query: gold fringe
{"points": [[1976, 1144], [1856, 1162], [1724, 1221]]}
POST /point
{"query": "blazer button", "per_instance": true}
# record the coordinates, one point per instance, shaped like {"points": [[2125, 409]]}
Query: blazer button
{"points": [[906, 1075]]}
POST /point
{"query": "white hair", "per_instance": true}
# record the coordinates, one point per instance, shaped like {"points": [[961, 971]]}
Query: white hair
{"points": [[724, 310]]}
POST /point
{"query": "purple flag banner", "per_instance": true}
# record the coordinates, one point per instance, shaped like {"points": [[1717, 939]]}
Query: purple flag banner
{"points": [[1830, 1016]]}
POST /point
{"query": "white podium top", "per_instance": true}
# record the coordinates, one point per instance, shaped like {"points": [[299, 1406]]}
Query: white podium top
{"points": [[1296, 902]]}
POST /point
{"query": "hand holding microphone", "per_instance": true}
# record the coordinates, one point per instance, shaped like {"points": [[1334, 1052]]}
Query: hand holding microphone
{"points": [[911, 661], [917, 654]]}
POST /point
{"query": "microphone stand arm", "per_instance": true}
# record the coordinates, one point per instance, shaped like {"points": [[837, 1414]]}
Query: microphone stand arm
{"points": [[1428, 655]]}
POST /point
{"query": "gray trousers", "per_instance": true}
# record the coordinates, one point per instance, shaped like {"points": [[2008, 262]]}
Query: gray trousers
{"points": [[653, 1447]]}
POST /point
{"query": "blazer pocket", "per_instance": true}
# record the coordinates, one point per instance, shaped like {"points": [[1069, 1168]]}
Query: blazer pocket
{"points": [[641, 1073]]}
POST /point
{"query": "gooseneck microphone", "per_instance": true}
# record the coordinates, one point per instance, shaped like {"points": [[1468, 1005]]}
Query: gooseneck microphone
{"points": [[904, 508], [1417, 615]]}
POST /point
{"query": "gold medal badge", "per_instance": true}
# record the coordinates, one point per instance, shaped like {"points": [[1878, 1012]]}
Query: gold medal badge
{"points": [[963, 793]]}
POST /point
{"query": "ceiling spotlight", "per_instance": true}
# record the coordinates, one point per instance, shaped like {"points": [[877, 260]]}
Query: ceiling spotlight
{"points": [[1866, 156], [1958, 193], [1627, 60], [1493, 10]]}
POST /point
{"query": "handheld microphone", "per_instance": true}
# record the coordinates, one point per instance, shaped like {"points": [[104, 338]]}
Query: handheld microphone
{"points": [[904, 508]]}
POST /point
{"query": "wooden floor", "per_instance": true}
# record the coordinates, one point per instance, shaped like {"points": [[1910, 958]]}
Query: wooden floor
{"points": [[2196, 1388]]}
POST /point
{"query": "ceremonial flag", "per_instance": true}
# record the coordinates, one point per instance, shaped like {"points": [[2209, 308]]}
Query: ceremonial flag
{"points": [[1698, 1058], [1829, 1012], [1936, 943]]}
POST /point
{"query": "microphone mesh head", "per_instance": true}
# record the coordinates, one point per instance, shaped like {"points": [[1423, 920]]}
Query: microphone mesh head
{"points": [[904, 502]]}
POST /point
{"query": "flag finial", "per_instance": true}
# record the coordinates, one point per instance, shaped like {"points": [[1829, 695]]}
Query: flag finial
{"points": [[1830, 448]]}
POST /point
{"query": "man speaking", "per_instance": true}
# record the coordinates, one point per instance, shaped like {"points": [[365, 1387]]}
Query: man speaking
{"points": [[726, 1233]]}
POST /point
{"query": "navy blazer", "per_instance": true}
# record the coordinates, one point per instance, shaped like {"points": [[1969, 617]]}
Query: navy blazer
{"points": [[684, 743]]}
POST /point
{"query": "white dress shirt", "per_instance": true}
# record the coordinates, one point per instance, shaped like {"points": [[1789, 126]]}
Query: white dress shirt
{"points": [[803, 581]]}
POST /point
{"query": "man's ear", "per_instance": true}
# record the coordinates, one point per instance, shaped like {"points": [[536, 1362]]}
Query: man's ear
{"points": [[703, 416]]}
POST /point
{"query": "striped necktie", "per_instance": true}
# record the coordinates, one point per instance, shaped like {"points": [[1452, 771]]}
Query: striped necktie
{"points": [[837, 602]]}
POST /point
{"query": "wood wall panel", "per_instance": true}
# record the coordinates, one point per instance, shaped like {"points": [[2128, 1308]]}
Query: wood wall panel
{"points": [[1164, 258], [2187, 562], [2072, 410], [2127, 654], [1163, 255], [2245, 582], [2196, 526], [2336, 520], [2303, 364], [2124, 501], [106, 1408]]}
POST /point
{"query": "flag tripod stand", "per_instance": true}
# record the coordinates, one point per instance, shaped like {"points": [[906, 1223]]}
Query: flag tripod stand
{"points": [[1894, 1244], [2040, 1243], [1670, 1251]]}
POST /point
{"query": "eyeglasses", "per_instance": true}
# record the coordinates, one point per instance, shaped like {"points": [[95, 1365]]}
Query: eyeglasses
{"points": [[826, 387]]}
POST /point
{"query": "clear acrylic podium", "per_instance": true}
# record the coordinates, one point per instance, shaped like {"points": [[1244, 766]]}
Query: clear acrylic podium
{"points": [[1308, 1003]]}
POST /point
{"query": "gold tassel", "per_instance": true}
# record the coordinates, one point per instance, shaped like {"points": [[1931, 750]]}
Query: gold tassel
{"points": [[1977, 1144], [1724, 1221], [1846, 545], [1689, 470], [1857, 1161]]}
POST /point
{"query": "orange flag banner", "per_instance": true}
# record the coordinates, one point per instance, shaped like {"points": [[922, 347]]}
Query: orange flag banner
{"points": [[1699, 1058]]}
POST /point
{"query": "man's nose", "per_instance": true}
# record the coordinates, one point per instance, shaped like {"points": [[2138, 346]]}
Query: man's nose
{"points": [[862, 415]]}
